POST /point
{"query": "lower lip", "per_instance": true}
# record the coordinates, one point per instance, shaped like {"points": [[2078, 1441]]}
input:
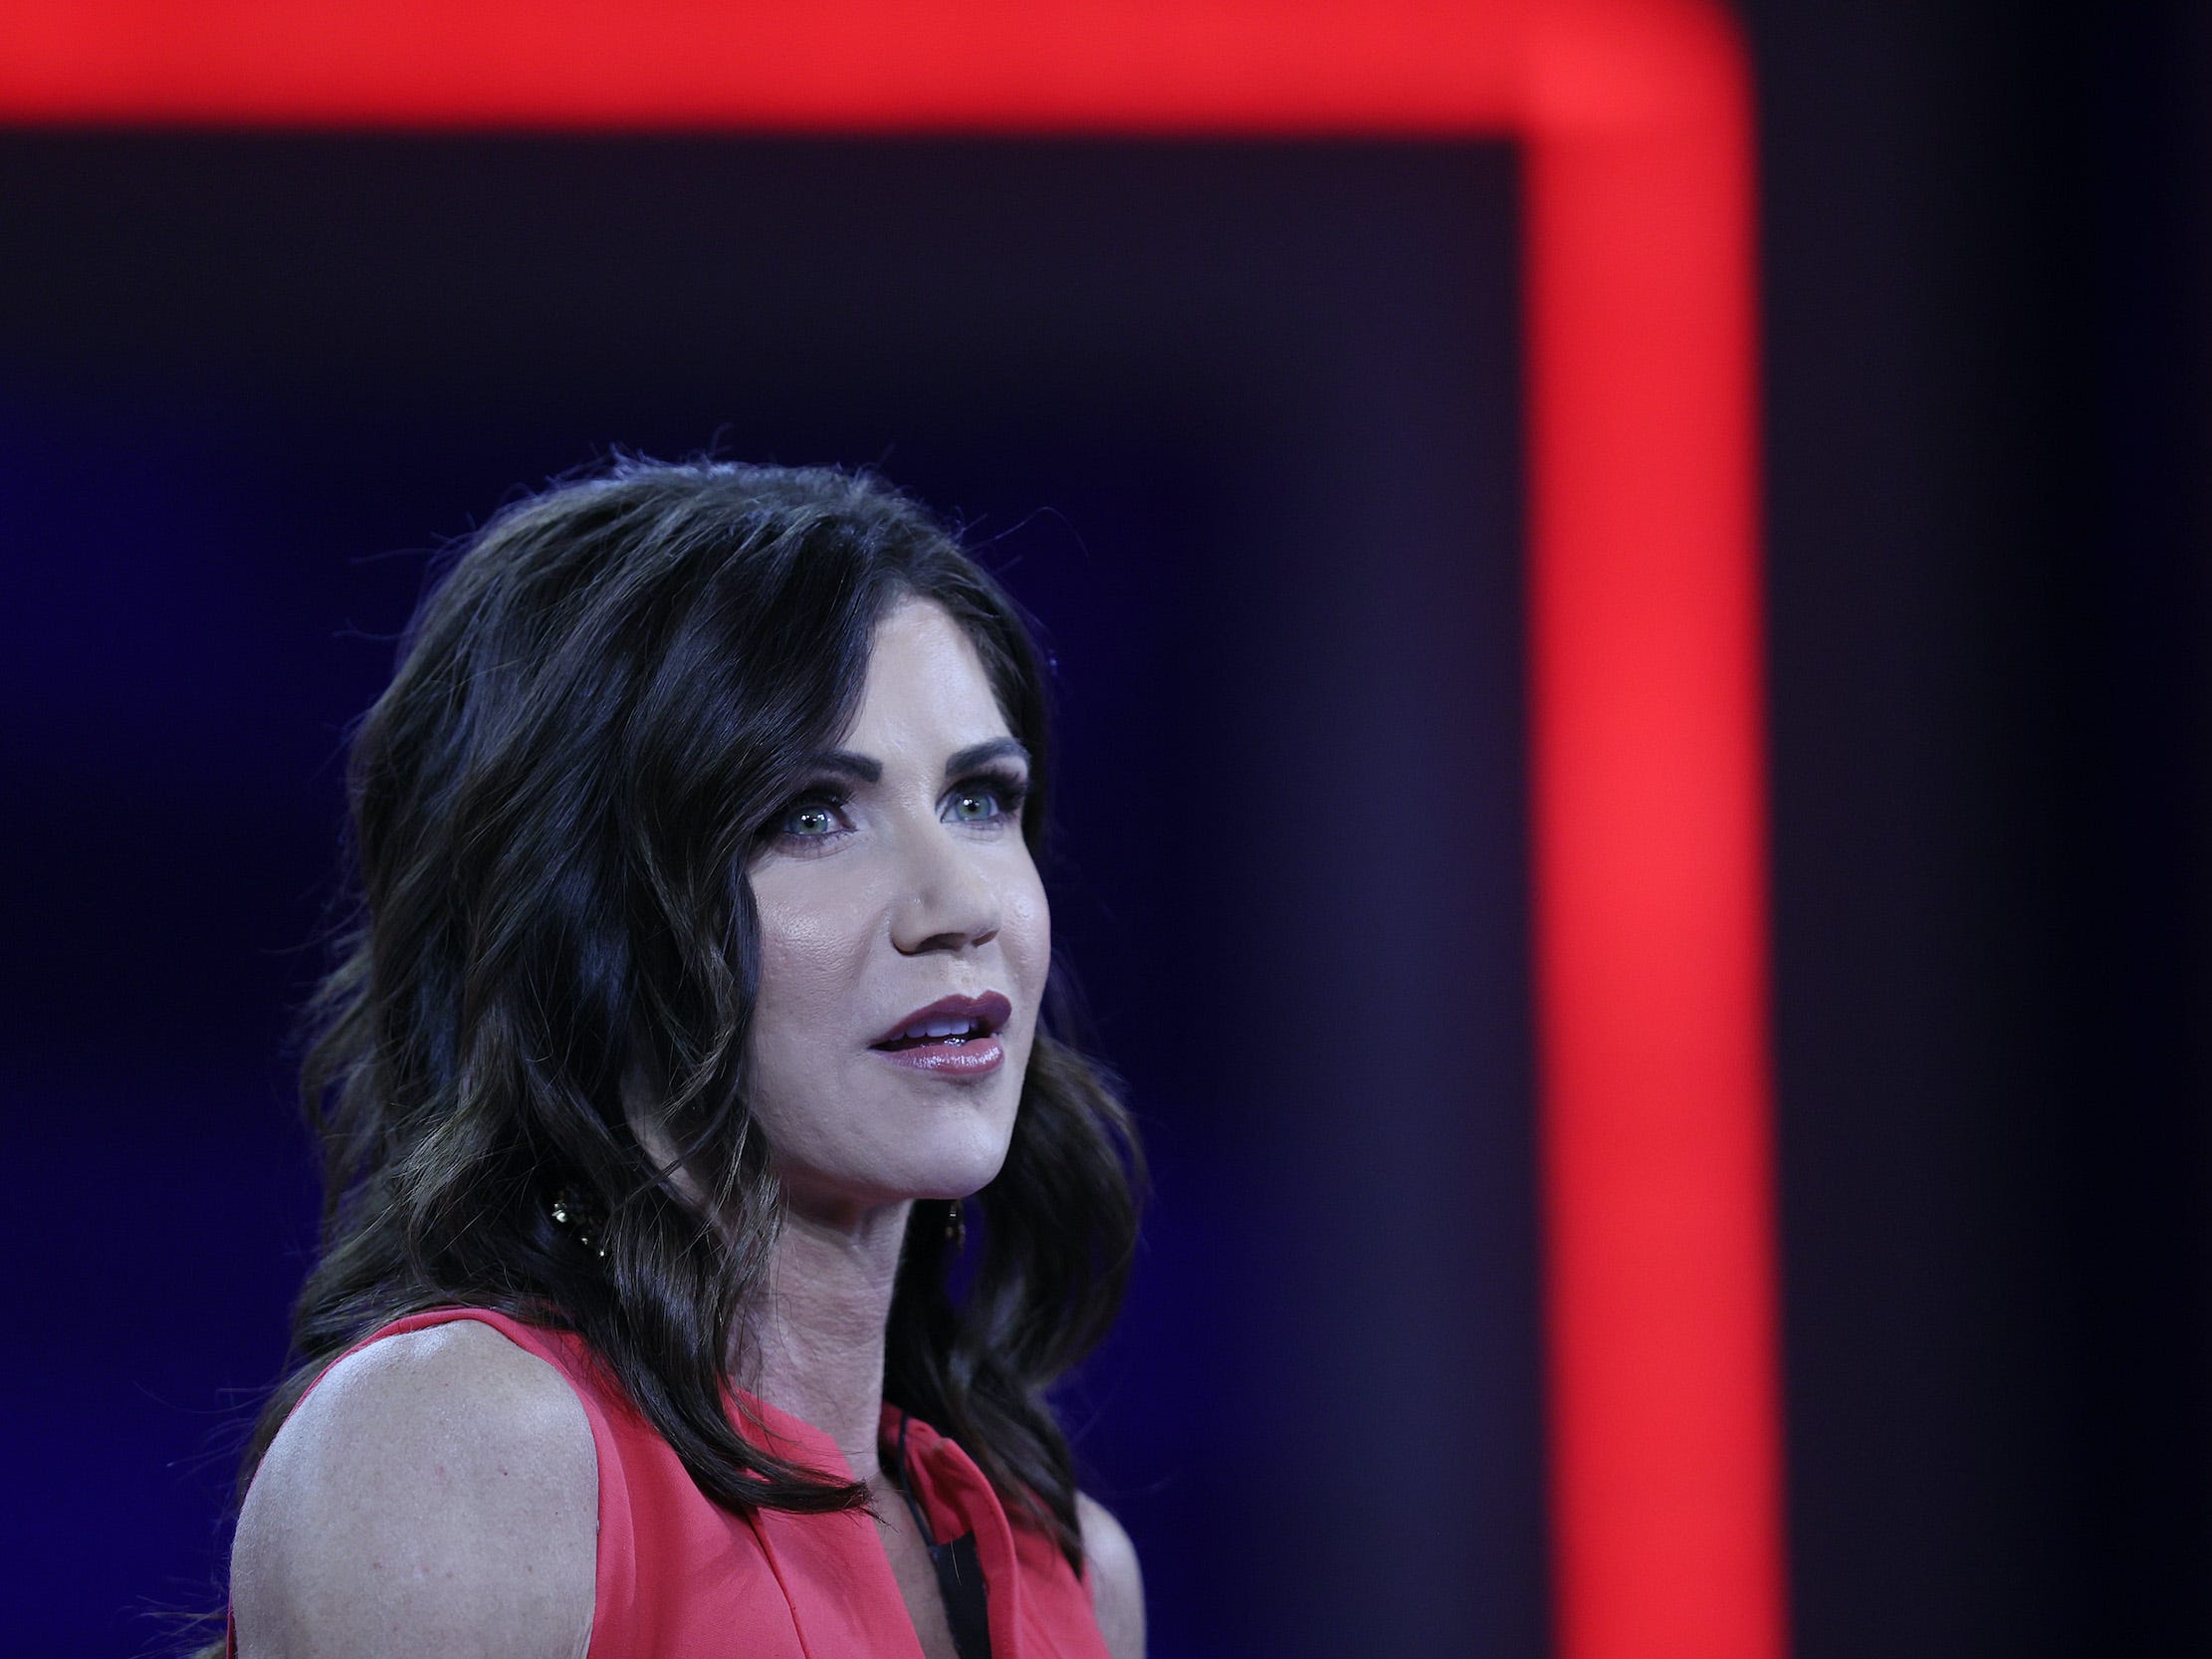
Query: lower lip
{"points": [[974, 1058]]}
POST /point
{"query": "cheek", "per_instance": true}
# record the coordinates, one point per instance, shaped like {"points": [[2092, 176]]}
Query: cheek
{"points": [[1025, 937], [809, 979], [1030, 921]]}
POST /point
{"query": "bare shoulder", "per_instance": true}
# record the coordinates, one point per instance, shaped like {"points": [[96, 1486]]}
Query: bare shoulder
{"points": [[437, 1493], [1117, 1588]]}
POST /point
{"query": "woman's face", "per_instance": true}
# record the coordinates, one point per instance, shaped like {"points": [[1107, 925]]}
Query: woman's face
{"points": [[899, 879]]}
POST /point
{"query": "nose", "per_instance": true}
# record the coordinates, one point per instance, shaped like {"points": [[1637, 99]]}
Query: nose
{"points": [[946, 899]]}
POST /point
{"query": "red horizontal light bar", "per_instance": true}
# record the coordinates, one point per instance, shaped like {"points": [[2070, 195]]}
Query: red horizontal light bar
{"points": [[831, 66]]}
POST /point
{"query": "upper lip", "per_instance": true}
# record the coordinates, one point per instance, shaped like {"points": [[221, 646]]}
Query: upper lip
{"points": [[989, 1010]]}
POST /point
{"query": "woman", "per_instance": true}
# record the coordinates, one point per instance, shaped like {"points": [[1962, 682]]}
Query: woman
{"points": [[702, 970]]}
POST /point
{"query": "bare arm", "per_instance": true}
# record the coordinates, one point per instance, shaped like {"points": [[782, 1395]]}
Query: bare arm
{"points": [[437, 1493], [1117, 1588]]}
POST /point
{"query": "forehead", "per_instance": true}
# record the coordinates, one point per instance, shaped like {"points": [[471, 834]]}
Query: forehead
{"points": [[925, 679]]}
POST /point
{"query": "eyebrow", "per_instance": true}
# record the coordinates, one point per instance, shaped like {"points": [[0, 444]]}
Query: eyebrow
{"points": [[868, 770]]}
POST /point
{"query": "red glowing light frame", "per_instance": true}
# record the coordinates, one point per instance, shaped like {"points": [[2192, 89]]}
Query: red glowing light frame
{"points": [[1646, 742]]}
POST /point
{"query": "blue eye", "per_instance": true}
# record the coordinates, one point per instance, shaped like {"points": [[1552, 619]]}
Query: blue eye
{"points": [[819, 805], [1006, 790]]}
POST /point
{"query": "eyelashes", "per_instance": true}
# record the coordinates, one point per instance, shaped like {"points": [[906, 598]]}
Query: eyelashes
{"points": [[1003, 787], [1010, 788]]}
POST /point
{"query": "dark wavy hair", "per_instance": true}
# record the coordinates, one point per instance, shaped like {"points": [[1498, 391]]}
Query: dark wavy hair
{"points": [[596, 712]]}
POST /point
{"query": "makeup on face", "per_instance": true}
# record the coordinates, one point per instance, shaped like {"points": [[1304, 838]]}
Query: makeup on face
{"points": [[905, 937], [952, 1036]]}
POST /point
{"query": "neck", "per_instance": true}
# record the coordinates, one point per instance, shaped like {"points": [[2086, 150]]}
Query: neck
{"points": [[819, 1335]]}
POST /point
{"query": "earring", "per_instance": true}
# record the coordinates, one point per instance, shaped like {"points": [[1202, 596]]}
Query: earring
{"points": [[567, 1213], [955, 1227]]}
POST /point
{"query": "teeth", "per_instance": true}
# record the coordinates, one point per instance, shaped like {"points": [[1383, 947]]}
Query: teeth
{"points": [[939, 1028]]}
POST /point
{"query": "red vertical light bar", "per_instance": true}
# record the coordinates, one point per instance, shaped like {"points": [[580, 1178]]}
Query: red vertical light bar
{"points": [[1645, 641], [1649, 793]]}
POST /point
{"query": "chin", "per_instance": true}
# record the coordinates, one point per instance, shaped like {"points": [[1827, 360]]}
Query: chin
{"points": [[964, 1168], [884, 1150]]}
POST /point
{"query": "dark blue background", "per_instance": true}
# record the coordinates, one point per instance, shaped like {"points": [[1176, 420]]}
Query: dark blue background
{"points": [[1237, 423]]}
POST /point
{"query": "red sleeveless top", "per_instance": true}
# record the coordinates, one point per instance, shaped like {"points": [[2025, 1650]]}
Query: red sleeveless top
{"points": [[681, 1578]]}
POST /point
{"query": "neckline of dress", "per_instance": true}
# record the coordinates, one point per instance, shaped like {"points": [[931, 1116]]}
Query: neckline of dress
{"points": [[754, 1412], [947, 1485]]}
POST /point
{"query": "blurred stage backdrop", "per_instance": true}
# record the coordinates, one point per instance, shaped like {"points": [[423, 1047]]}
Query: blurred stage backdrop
{"points": [[1238, 423], [1224, 418]]}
